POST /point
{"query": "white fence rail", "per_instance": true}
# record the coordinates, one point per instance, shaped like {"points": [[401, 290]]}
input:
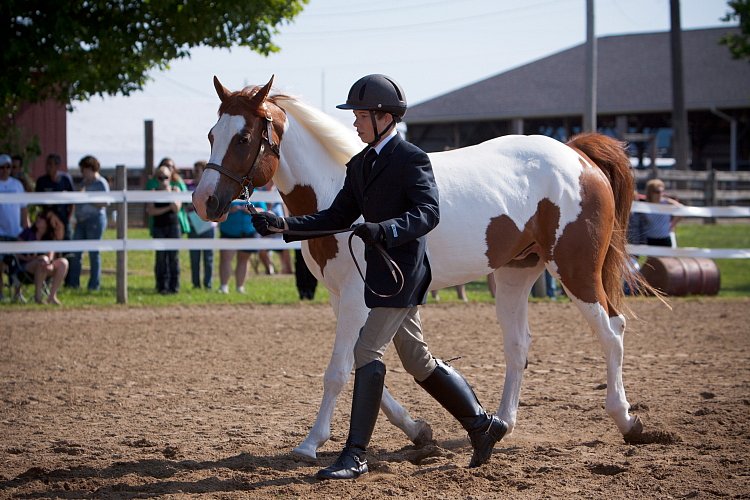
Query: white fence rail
{"points": [[122, 244]]}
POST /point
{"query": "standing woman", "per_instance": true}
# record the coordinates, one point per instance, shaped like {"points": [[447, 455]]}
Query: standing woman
{"points": [[166, 225], [91, 221], [660, 227]]}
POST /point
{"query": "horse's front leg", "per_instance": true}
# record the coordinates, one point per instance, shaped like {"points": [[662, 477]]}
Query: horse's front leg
{"points": [[350, 314]]}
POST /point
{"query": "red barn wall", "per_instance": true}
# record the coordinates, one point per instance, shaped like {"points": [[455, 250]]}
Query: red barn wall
{"points": [[47, 120]]}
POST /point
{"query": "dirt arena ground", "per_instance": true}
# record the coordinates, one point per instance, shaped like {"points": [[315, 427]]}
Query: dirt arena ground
{"points": [[138, 402]]}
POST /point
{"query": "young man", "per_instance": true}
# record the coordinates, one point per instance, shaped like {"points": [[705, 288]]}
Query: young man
{"points": [[391, 184]]}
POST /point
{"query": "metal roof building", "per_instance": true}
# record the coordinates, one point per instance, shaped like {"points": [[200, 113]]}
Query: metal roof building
{"points": [[634, 98]]}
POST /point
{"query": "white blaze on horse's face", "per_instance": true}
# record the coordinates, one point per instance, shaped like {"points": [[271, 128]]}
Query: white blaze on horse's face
{"points": [[223, 132]]}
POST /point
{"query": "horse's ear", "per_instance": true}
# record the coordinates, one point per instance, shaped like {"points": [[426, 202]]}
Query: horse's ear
{"points": [[261, 95], [221, 89]]}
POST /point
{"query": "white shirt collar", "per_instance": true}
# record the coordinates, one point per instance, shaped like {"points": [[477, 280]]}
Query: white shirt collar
{"points": [[387, 138]]}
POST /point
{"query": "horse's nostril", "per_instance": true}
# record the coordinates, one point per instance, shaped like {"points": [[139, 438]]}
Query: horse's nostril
{"points": [[212, 203]]}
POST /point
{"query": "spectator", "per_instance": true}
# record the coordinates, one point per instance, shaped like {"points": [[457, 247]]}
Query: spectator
{"points": [[91, 221], [14, 217], [237, 225], [56, 180], [303, 278], [165, 225], [43, 266], [178, 184], [17, 171], [660, 227], [204, 230]]}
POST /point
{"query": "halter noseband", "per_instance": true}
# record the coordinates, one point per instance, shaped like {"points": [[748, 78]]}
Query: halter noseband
{"points": [[245, 181]]}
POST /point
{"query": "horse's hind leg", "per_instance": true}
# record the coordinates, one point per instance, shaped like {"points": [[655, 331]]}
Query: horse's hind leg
{"points": [[418, 431], [610, 329], [513, 285]]}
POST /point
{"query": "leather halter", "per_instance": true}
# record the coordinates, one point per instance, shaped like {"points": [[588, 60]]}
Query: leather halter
{"points": [[245, 181]]}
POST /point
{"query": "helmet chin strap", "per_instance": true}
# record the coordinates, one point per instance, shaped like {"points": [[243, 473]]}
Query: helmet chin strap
{"points": [[379, 135]]}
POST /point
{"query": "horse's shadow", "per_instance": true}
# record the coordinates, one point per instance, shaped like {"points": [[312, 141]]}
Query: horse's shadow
{"points": [[162, 470]]}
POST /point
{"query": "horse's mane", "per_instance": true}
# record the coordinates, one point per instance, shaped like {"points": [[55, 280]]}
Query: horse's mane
{"points": [[340, 142]]}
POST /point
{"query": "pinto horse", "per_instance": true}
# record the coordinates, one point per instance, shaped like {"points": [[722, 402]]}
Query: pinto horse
{"points": [[511, 206]]}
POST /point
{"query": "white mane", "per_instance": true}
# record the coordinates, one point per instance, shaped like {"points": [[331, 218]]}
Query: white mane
{"points": [[340, 142]]}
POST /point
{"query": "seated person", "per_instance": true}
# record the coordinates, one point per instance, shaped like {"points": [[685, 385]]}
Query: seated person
{"points": [[43, 266]]}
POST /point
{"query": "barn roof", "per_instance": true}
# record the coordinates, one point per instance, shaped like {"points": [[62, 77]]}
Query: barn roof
{"points": [[634, 76]]}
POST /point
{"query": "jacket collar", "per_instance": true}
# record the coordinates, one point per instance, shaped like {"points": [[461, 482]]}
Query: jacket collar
{"points": [[384, 157]]}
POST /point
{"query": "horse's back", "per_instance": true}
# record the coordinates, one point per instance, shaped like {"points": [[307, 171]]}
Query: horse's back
{"points": [[508, 176]]}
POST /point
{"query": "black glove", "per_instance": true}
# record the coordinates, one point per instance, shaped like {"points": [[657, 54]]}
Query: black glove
{"points": [[267, 223], [370, 233]]}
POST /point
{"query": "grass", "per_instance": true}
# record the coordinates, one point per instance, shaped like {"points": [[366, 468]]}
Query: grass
{"points": [[735, 273], [280, 289]]}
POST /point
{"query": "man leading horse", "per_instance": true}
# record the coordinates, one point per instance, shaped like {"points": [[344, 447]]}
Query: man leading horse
{"points": [[391, 184]]}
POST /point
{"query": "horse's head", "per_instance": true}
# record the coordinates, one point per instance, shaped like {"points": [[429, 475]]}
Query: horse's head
{"points": [[244, 148]]}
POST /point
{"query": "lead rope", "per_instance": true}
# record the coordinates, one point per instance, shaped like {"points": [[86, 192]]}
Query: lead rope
{"points": [[396, 273]]}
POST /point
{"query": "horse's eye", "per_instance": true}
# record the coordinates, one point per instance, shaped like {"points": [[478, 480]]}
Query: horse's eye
{"points": [[244, 139]]}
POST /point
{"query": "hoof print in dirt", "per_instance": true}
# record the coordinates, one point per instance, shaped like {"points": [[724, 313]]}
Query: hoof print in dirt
{"points": [[606, 469], [420, 455], [652, 437]]}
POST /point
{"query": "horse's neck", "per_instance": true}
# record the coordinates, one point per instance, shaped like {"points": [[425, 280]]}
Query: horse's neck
{"points": [[305, 162]]}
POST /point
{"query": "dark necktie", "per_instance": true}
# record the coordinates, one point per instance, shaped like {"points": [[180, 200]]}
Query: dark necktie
{"points": [[370, 158]]}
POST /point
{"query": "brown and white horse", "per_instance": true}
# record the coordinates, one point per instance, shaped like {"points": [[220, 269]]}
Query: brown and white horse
{"points": [[510, 206]]}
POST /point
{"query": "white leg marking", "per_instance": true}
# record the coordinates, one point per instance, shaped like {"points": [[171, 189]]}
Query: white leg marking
{"points": [[511, 306], [611, 332]]}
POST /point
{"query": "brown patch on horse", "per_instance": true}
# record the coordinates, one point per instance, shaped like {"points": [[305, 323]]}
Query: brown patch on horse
{"points": [[507, 246], [580, 265], [302, 201]]}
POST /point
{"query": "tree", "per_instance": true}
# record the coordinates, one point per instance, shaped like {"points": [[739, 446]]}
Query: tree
{"points": [[72, 50], [738, 43]]}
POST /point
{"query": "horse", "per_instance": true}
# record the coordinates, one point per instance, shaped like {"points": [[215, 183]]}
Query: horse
{"points": [[509, 207]]}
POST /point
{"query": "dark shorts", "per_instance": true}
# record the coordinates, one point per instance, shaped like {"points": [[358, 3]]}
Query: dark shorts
{"points": [[238, 237]]}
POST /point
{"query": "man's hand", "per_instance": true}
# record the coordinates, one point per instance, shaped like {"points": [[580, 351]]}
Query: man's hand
{"points": [[267, 223], [370, 233]]}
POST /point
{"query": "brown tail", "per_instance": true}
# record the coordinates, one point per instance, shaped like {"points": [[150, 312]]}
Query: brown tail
{"points": [[610, 156]]}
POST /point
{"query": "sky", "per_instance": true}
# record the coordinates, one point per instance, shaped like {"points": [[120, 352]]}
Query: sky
{"points": [[431, 47]]}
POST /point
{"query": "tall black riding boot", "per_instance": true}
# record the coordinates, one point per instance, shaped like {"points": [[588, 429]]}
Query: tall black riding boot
{"points": [[368, 389], [452, 391]]}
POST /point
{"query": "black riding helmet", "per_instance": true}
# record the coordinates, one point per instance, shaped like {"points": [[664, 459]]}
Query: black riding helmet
{"points": [[377, 93]]}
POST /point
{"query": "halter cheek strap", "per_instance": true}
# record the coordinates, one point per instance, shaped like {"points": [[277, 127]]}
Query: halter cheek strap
{"points": [[246, 180]]}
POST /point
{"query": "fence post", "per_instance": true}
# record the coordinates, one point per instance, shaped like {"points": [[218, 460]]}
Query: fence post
{"points": [[121, 180], [710, 190]]}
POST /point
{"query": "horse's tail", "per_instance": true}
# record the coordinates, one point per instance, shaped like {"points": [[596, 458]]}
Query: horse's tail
{"points": [[610, 156]]}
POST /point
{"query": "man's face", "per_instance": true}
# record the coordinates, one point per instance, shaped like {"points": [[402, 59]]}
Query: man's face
{"points": [[363, 124], [16, 169], [4, 172], [51, 168]]}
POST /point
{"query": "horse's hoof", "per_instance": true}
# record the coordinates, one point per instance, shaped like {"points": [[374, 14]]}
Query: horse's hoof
{"points": [[424, 436], [305, 453], [635, 430], [636, 435]]}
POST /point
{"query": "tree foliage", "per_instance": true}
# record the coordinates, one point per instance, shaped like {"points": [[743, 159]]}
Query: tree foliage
{"points": [[74, 49], [739, 43]]}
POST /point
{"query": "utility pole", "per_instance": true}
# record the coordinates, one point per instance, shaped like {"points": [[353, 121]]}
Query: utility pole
{"points": [[680, 138], [589, 112]]}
